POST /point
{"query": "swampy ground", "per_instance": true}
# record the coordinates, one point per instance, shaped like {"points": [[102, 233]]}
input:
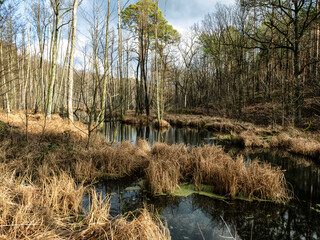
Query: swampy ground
{"points": [[175, 184]]}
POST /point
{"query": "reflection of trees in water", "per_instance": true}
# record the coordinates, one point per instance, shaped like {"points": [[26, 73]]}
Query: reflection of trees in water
{"points": [[122, 200], [170, 136], [262, 220]]}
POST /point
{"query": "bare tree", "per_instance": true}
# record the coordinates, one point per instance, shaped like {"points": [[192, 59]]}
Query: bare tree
{"points": [[71, 62]]}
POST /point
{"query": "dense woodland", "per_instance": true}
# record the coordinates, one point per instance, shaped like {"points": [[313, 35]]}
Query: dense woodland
{"points": [[258, 56]]}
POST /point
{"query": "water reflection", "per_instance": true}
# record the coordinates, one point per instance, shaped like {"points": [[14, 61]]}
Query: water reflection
{"points": [[200, 217], [117, 132]]}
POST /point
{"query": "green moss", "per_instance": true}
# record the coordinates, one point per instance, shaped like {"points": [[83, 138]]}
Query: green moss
{"points": [[185, 190], [133, 188]]}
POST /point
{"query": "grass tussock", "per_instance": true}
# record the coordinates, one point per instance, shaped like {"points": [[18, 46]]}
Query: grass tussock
{"points": [[139, 226], [236, 178], [136, 120], [214, 124], [209, 165], [161, 124], [54, 210], [166, 167], [300, 145], [250, 139]]}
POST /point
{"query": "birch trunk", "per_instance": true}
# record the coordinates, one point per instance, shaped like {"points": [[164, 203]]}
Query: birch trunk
{"points": [[54, 62], [71, 62], [106, 72], [3, 76]]}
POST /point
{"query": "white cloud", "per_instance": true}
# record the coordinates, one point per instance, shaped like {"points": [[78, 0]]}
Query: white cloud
{"points": [[183, 14]]}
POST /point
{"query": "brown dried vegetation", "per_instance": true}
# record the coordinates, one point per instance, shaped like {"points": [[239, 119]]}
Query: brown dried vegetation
{"points": [[212, 166], [41, 183], [42, 180], [301, 145], [162, 124]]}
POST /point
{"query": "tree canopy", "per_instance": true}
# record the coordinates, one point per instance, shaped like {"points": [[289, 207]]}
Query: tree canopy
{"points": [[141, 17]]}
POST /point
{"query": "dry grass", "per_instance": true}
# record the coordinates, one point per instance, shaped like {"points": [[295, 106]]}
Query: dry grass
{"points": [[37, 212], [166, 167], [250, 139], [301, 145], [54, 210], [245, 133], [131, 118], [209, 165], [162, 124], [206, 122], [63, 147], [236, 178], [138, 226], [41, 181]]}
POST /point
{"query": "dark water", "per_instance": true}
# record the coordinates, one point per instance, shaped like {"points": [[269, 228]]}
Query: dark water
{"points": [[120, 132], [200, 217]]}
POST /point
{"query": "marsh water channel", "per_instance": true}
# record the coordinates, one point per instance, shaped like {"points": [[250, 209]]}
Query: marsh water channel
{"points": [[202, 217]]}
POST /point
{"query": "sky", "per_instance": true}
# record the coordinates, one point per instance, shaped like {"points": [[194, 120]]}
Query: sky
{"points": [[182, 14]]}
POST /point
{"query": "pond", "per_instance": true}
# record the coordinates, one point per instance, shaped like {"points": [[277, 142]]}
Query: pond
{"points": [[201, 217]]}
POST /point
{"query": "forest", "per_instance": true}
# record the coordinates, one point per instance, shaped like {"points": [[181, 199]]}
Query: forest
{"points": [[116, 123], [254, 58]]}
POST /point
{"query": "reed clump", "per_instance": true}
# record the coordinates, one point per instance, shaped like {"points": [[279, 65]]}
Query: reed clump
{"points": [[206, 122], [31, 211], [140, 225], [166, 167], [237, 178], [161, 124], [250, 139], [300, 145], [171, 165]]}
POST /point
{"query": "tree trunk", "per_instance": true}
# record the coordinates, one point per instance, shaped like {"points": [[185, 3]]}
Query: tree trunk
{"points": [[106, 72], [3, 75], [120, 60], [71, 61], [54, 62], [156, 66]]}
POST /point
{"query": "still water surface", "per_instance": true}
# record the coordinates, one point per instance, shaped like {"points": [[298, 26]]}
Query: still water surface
{"points": [[200, 217]]}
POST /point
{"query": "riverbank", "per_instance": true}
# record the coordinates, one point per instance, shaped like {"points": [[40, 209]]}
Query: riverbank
{"points": [[44, 175], [302, 142]]}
